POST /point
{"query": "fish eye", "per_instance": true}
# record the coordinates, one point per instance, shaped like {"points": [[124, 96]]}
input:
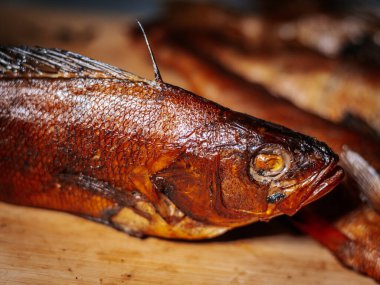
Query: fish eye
{"points": [[269, 163]]}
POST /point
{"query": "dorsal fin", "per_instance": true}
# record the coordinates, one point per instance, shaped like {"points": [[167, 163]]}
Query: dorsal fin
{"points": [[37, 62], [157, 73]]}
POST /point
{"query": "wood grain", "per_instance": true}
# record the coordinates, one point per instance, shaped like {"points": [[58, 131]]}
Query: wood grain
{"points": [[45, 247]]}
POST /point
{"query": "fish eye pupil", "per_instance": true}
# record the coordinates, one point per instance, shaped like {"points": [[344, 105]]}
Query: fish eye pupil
{"points": [[260, 171], [269, 163]]}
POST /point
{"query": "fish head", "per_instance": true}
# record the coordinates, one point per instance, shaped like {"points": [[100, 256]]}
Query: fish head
{"points": [[275, 171], [239, 169]]}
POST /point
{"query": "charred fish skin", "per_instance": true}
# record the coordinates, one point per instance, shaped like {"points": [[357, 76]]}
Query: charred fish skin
{"points": [[84, 137]]}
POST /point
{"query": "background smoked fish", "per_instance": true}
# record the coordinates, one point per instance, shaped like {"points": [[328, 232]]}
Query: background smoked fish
{"points": [[330, 88], [325, 63], [149, 158], [328, 29], [353, 238]]}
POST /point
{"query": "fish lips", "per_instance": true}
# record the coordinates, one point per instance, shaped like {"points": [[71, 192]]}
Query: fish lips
{"points": [[325, 181]]}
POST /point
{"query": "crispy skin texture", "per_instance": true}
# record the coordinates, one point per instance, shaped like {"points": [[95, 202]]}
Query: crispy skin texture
{"points": [[76, 149], [147, 157]]}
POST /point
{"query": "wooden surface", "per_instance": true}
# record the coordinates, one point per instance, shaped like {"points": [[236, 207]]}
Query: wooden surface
{"points": [[46, 247]]}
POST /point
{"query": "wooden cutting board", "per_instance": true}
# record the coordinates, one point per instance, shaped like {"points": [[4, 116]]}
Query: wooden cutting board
{"points": [[45, 247]]}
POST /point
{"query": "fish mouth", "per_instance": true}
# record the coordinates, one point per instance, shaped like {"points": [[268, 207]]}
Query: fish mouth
{"points": [[327, 180], [320, 184]]}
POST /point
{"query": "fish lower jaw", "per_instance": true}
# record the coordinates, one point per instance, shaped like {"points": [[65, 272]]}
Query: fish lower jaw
{"points": [[325, 184], [314, 188]]}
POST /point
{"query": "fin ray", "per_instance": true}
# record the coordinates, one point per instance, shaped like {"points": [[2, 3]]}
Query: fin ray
{"points": [[36, 62], [156, 70]]}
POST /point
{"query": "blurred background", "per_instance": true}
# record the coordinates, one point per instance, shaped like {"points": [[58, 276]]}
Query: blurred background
{"points": [[147, 7], [322, 56]]}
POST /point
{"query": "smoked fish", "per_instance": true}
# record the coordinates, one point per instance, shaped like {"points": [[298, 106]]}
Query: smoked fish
{"points": [[146, 157], [352, 238], [325, 63], [330, 88]]}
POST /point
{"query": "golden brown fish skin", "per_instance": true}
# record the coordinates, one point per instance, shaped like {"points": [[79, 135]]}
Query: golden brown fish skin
{"points": [[145, 156], [86, 127]]}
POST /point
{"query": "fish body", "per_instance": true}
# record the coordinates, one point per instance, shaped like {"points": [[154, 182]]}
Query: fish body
{"points": [[144, 156]]}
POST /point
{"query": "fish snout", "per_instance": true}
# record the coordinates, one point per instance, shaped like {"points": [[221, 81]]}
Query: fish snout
{"points": [[314, 187]]}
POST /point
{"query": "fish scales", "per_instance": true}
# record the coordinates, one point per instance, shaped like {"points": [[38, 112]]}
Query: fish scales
{"points": [[146, 157]]}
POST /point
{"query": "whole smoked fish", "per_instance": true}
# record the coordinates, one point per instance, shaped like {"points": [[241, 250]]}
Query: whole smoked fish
{"points": [[146, 157]]}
